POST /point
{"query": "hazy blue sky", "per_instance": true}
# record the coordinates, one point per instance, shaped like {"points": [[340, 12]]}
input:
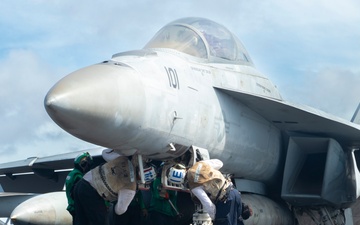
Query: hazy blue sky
{"points": [[309, 48]]}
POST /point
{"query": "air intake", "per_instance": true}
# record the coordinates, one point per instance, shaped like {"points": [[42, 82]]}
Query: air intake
{"points": [[316, 172]]}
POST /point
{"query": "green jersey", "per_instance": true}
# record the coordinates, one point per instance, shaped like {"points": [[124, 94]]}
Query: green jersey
{"points": [[160, 199], [72, 178]]}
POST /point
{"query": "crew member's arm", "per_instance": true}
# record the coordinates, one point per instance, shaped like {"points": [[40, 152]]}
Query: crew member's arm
{"points": [[124, 199], [109, 154], [142, 204], [214, 163], [207, 204], [239, 204]]}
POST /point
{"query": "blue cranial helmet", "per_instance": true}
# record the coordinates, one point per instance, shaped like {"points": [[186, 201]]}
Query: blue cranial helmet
{"points": [[177, 174]]}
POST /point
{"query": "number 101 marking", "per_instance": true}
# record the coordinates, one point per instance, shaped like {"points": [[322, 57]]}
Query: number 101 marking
{"points": [[173, 78]]}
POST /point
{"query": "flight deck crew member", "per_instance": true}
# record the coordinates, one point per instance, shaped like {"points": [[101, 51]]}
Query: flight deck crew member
{"points": [[135, 214], [245, 214], [205, 181], [82, 164], [114, 180], [229, 212], [163, 207]]}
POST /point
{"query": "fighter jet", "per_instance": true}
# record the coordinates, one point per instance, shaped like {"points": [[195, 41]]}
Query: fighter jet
{"points": [[194, 87]]}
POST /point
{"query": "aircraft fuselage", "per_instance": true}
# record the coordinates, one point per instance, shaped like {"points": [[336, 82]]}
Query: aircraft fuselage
{"points": [[145, 100]]}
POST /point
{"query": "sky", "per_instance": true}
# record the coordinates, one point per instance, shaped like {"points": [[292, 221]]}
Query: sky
{"points": [[309, 48]]}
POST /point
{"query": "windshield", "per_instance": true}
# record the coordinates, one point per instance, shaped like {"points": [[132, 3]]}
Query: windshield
{"points": [[201, 38], [180, 38]]}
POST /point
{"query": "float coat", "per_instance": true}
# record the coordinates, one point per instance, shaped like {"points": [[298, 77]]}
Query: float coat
{"points": [[214, 183], [113, 176]]}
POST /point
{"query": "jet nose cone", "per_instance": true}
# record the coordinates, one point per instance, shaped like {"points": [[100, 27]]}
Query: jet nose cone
{"points": [[97, 102], [45, 209]]}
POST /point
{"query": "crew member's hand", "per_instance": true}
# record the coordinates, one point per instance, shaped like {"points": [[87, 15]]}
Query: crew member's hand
{"points": [[179, 216], [145, 213]]}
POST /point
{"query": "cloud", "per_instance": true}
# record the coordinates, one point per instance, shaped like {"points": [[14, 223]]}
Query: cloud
{"points": [[306, 48], [334, 90], [25, 127]]}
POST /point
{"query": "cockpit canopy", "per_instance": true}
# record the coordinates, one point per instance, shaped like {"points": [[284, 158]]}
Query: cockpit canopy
{"points": [[201, 38]]}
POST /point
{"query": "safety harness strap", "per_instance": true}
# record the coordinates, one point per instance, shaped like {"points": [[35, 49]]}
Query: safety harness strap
{"points": [[102, 175]]}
